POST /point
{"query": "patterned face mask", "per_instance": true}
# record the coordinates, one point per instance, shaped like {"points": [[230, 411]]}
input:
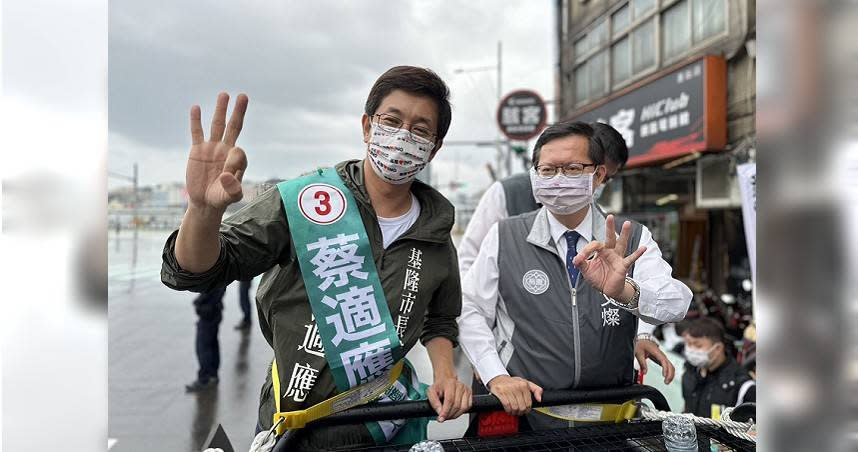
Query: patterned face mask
{"points": [[397, 155]]}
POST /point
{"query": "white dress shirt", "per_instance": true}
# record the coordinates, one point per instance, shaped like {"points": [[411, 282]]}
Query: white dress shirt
{"points": [[490, 210], [662, 299]]}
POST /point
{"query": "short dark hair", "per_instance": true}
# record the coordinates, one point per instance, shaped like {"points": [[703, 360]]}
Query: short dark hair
{"points": [[414, 80], [612, 142], [570, 128], [706, 327]]}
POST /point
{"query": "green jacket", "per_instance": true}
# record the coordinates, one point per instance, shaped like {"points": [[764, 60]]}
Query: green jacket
{"points": [[256, 240]]}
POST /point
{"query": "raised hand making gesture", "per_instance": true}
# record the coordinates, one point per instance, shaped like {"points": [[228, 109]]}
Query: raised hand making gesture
{"points": [[604, 264], [215, 167], [213, 180]]}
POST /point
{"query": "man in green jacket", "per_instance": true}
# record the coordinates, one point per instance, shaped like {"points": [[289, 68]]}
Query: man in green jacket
{"points": [[407, 224]]}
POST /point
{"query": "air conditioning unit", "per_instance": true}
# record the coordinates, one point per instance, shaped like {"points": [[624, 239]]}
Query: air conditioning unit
{"points": [[717, 186], [612, 198]]}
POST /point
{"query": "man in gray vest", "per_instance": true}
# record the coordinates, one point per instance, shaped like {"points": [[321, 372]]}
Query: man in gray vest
{"points": [[553, 298], [514, 196]]}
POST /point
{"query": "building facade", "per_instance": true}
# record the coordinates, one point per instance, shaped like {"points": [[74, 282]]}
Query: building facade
{"points": [[677, 79]]}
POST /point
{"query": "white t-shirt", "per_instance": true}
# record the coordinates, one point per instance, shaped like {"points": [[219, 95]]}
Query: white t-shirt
{"points": [[392, 228]]}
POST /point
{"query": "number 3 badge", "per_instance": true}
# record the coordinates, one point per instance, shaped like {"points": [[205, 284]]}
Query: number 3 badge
{"points": [[322, 203]]}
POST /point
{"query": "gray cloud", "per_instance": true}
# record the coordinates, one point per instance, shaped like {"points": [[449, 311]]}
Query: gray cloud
{"points": [[307, 68]]}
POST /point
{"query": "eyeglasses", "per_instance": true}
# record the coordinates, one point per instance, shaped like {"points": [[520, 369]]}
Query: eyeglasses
{"points": [[392, 124], [570, 170]]}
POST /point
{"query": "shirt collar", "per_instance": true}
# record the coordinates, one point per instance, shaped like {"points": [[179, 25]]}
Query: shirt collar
{"points": [[558, 229]]}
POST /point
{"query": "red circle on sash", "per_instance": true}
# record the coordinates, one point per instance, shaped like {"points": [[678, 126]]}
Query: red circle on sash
{"points": [[322, 203]]}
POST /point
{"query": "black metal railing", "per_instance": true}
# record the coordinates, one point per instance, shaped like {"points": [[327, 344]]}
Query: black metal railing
{"points": [[481, 403]]}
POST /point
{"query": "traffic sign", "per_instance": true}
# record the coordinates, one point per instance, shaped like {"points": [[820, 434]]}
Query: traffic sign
{"points": [[522, 115]]}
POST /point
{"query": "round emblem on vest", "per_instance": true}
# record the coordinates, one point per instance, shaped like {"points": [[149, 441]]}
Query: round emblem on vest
{"points": [[535, 282]]}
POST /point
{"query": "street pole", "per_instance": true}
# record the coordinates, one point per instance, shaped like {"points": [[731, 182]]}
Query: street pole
{"points": [[504, 157], [500, 91], [134, 179], [136, 195], [500, 157], [136, 224]]}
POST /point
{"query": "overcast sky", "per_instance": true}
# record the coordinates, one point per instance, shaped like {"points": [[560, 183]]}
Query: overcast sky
{"points": [[307, 68]]}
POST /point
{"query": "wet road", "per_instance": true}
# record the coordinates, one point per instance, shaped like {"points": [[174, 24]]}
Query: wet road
{"points": [[151, 358]]}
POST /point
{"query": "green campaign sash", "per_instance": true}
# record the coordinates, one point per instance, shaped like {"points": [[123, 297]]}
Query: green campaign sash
{"points": [[342, 282], [343, 287]]}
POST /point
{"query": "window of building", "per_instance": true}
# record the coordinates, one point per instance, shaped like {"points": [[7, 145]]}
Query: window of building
{"points": [[599, 35], [691, 22], [620, 20], [638, 36], [598, 74], [709, 18], [581, 48], [641, 7], [581, 88], [643, 46], [675, 30], [621, 57]]}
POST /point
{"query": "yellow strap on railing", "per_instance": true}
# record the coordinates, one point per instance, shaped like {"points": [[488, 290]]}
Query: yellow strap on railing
{"points": [[358, 395], [592, 412]]}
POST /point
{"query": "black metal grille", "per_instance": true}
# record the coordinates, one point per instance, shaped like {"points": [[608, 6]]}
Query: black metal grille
{"points": [[632, 436]]}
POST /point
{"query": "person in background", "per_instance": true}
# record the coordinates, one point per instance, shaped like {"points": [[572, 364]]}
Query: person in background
{"points": [[244, 302], [209, 307], [713, 380]]}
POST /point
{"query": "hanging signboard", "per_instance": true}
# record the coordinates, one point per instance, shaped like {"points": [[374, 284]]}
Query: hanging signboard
{"points": [[677, 112]]}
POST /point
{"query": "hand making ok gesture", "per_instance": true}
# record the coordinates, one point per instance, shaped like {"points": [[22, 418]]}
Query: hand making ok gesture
{"points": [[604, 264]]}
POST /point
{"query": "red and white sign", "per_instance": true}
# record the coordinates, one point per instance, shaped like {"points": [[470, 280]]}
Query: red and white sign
{"points": [[668, 114], [522, 115], [322, 203]]}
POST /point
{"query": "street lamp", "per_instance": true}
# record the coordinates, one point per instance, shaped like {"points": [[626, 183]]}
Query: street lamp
{"points": [[498, 67]]}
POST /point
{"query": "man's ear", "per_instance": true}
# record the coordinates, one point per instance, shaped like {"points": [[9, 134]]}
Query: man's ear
{"points": [[611, 169], [365, 126], [435, 151], [600, 176]]}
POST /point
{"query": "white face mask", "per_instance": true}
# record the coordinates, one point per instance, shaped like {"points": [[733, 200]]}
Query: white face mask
{"points": [[397, 156], [562, 194], [697, 357]]}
